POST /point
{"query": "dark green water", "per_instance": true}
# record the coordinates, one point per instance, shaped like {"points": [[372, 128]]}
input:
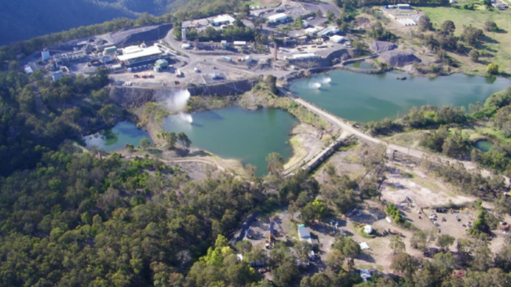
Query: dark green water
{"points": [[362, 97], [115, 138], [248, 136], [484, 146]]}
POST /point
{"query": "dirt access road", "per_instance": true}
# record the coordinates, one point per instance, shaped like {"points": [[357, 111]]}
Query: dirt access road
{"points": [[348, 128]]}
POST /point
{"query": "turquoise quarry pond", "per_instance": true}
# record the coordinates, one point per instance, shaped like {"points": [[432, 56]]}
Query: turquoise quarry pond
{"points": [[116, 137], [484, 146], [235, 133], [362, 97]]}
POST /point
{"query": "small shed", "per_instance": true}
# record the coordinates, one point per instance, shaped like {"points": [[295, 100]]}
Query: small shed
{"points": [[28, 70], [57, 75], [304, 234], [368, 229]]}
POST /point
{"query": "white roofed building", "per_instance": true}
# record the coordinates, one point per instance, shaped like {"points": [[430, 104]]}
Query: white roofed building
{"points": [[328, 31], [239, 43], [337, 38], [307, 56], [222, 20], [134, 54], [278, 18], [311, 31]]}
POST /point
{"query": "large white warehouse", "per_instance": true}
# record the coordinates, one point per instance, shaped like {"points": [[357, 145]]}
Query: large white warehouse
{"points": [[281, 17], [135, 54]]}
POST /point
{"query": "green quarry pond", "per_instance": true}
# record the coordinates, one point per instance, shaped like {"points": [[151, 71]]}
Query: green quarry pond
{"points": [[362, 97], [116, 137], [235, 133], [484, 146]]}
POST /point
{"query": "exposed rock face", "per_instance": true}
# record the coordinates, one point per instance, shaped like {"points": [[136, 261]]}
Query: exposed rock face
{"points": [[399, 58], [382, 46]]}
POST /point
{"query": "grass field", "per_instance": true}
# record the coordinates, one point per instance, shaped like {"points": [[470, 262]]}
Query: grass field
{"points": [[499, 44]]}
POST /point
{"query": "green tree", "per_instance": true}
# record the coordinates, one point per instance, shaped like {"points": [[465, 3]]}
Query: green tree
{"points": [[448, 27], [474, 55], [404, 264], [170, 138], [129, 147], [271, 83], [490, 26], [445, 240], [316, 280], [145, 143], [445, 262], [299, 23], [184, 140], [330, 15], [275, 163], [492, 69], [335, 260], [425, 23], [419, 240], [397, 244], [287, 273], [349, 249]]}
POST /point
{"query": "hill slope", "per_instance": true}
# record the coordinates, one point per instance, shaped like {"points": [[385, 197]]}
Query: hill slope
{"points": [[24, 19]]}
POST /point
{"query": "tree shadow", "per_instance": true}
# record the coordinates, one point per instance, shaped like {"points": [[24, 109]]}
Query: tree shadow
{"points": [[487, 39], [366, 257], [198, 153], [155, 152], [182, 152]]}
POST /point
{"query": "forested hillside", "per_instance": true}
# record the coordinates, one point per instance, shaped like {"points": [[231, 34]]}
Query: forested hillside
{"points": [[24, 19]]}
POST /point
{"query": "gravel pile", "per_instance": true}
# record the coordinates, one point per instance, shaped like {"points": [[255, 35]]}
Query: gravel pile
{"points": [[382, 46], [399, 58]]}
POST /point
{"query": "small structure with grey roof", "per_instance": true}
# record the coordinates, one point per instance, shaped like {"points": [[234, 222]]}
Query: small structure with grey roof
{"points": [[304, 234]]}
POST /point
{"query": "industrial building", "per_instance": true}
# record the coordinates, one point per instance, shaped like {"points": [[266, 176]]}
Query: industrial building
{"points": [[109, 50], [330, 30], [278, 18], [136, 55], [161, 65], [223, 20]]}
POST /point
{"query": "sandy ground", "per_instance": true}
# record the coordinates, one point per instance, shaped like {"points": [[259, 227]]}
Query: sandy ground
{"points": [[410, 189], [306, 142], [411, 183]]}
